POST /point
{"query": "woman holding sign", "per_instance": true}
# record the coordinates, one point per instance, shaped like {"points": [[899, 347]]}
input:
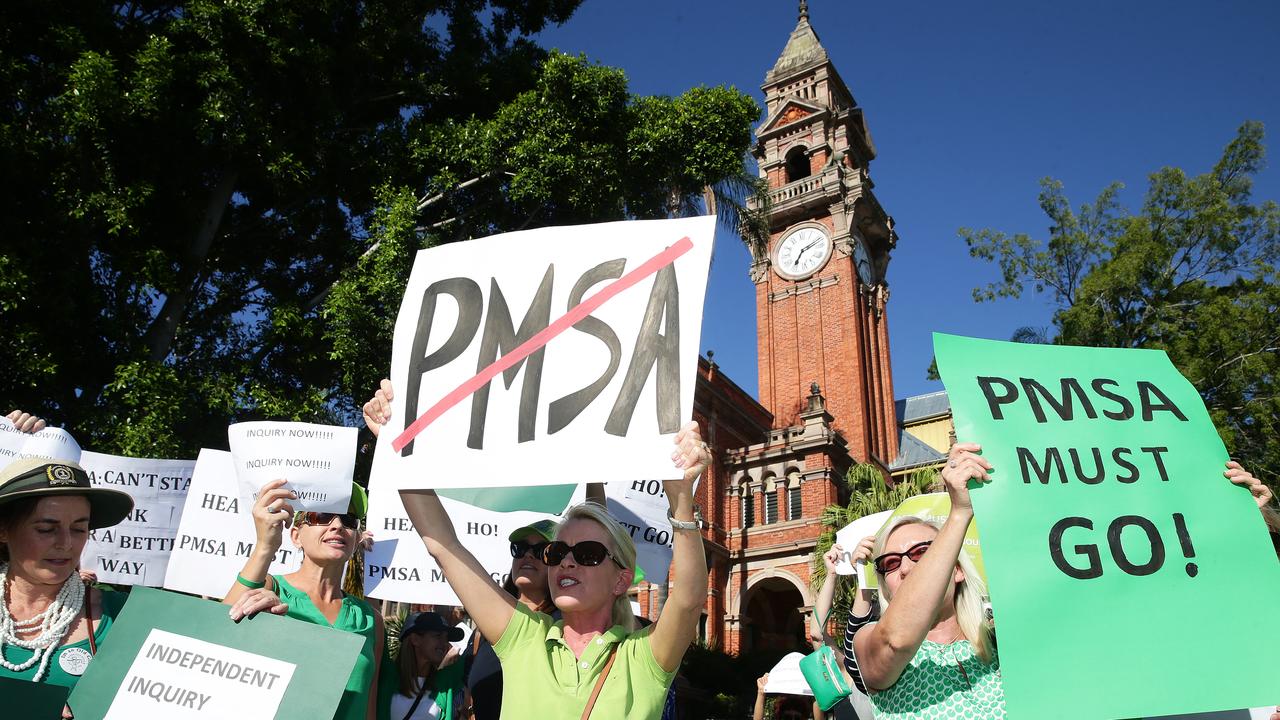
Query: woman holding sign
{"points": [[561, 668], [313, 593], [50, 623], [932, 654]]}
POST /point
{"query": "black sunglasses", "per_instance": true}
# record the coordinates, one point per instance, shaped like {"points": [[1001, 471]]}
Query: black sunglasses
{"points": [[587, 553], [889, 562], [520, 547], [349, 520]]}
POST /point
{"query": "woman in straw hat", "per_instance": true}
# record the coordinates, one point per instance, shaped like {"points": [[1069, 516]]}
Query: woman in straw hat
{"points": [[50, 623]]}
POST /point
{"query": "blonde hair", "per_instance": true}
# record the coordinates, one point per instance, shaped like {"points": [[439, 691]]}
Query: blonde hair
{"points": [[970, 597], [623, 548]]}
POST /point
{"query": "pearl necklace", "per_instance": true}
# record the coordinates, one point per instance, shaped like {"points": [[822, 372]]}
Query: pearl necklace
{"points": [[53, 622]]}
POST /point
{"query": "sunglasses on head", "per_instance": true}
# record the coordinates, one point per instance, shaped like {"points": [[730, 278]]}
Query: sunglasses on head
{"points": [[889, 562], [587, 553], [349, 520], [520, 547]]}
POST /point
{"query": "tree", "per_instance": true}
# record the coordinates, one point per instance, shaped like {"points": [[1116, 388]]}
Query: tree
{"points": [[189, 182], [1192, 272], [868, 495]]}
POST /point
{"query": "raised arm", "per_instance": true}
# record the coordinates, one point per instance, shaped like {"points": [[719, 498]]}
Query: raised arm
{"points": [[826, 596], [678, 624], [885, 648], [486, 603], [252, 591]]}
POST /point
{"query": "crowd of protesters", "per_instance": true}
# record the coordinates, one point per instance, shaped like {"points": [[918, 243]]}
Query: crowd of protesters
{"points": [[559, 639]]}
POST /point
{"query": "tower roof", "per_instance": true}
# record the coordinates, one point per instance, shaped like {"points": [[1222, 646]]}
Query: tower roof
{"points": [[803, 49]]}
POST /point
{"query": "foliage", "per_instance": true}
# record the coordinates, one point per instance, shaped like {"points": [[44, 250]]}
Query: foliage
{"points": [[209, 208], [1192, 272], [869, 494]]}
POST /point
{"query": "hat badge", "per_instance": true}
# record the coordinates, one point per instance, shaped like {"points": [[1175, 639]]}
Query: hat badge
{"points": [[60, 475]]}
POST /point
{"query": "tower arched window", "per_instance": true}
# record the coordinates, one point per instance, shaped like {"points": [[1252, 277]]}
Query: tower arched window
{"points": [[797, 164]]}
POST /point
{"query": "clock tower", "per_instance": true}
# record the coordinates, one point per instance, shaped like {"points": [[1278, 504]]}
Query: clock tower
{"points": [[821, 291]]}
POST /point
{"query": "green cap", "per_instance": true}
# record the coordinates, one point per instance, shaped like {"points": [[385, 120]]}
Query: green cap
{"points": [[544, 528], [359, 502]]}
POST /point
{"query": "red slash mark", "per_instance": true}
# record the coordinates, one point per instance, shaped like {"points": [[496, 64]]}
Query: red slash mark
{"points": [[530, 346]]}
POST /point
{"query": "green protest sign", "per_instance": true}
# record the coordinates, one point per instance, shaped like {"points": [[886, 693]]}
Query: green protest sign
{"points": [[173, 656], [1115, 549], [26, 699]]}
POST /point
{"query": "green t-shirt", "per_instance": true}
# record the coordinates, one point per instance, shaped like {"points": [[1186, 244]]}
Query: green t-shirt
{"points": [[944, 682], [355, 616], [112, 602], [540, 671]]}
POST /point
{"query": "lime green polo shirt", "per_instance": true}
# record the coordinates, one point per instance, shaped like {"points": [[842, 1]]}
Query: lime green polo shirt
{"points": [[541, 676]]}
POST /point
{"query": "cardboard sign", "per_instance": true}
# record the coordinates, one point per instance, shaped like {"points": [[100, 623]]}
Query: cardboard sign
{"points": [[216, 534], [1108, 527], [136, 551], [848, 538], [172, 656], [540, 357], [317, 460], [52, 442]]}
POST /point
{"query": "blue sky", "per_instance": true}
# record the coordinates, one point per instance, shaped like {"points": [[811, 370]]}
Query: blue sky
{"points": [[969, 104]]}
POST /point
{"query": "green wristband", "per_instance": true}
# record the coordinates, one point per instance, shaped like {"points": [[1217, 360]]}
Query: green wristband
{"points": [[249, 583]]}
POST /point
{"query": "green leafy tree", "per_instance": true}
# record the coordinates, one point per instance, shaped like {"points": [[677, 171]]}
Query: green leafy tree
{"points": [[1191, 272], [189, 184], [868, 495]]}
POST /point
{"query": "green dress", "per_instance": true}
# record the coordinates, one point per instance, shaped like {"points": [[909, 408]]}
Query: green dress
{"points": [[943, 682], [110, 607], [355, 616]]}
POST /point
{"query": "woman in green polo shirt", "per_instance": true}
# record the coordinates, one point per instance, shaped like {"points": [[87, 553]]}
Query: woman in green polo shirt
{"points": [[594, 657]]}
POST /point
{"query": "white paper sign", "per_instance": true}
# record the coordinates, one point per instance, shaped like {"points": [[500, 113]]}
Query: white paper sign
{"points": [[174, 676], [52, 442], [136, 551], [850, 535], [785, 678], [216, 534], [538, 357], [400, 569], [317, 460]]}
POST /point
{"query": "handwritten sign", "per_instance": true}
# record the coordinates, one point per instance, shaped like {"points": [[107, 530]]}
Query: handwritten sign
{"points": [[317, 460], [136, 551], [1108, 529], [539, 357], [215, 535]]}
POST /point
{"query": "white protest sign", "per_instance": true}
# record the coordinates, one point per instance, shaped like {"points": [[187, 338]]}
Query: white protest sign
{"points": [[317, 460], [52, 442], [174, 676], [136, 551], [538, 357], [785, 678], [399, 568], [216, 534], [850, 535], [641, 507]]}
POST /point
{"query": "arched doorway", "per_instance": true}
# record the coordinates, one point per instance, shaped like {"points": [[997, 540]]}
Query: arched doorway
{"points": [[775, 612]]}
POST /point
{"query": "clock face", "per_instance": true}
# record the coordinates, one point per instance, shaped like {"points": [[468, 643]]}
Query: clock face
{"points": [[802, 252], [862, 260]]}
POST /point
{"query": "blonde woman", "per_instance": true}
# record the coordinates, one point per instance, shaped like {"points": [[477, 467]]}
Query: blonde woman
{"points": [[932, 653], [557, 667]]}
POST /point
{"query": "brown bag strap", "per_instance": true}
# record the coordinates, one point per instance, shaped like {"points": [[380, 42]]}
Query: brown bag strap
{"points": [[595, 693], [88, 617]]}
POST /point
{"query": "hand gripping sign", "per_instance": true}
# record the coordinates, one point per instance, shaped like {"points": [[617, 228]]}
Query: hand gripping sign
{"points": [[546, 357]]}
